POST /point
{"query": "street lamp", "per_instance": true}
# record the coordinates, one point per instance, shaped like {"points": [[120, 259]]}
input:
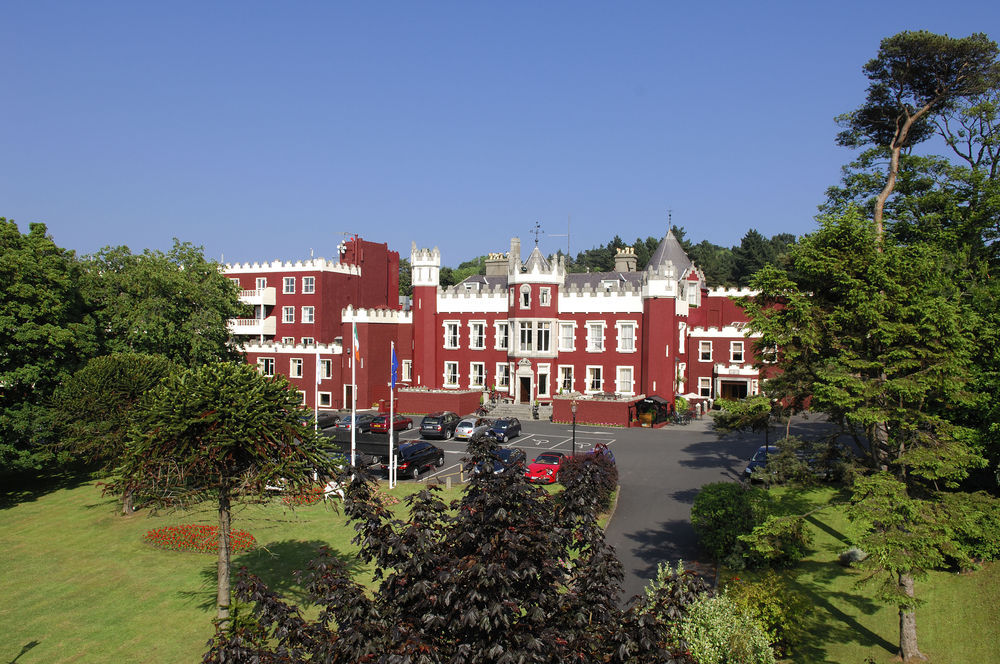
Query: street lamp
{"points": [[572, 408]]}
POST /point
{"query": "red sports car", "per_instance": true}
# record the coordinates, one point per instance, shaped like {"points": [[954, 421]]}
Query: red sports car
{"points": [[399, 423], [545, 468]]}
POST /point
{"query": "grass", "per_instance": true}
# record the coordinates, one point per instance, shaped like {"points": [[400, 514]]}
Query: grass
{"points": [[959, 624]]}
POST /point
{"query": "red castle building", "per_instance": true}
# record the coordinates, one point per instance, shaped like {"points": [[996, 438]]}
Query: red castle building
{"points": [[529, 329]]}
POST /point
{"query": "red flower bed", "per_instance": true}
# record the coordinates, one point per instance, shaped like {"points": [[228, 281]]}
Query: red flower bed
{"points": [[309, 496], [201, 539]]}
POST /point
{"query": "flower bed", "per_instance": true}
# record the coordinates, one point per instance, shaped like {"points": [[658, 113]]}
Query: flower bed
{"points": [[309, 496], [200, 539]]}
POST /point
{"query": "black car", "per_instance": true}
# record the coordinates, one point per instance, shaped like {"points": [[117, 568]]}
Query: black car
{"points": [[439, 425], [364, 422], [413, 458], [506, 428], [759, 460], [327, 419], [503, 458]]}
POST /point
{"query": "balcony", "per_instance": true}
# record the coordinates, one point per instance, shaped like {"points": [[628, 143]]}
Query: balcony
{"points": [[254, 326], [260, 297]]}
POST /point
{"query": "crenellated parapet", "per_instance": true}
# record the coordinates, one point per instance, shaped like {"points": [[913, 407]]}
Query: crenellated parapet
{"points": [[456, 299], [735, 330], [722, 291], [376, 316], [311, 265], [333, 348], [665, 271]]}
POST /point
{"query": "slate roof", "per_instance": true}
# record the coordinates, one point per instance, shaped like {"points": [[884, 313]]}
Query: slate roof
{"points": [[670, 249]]}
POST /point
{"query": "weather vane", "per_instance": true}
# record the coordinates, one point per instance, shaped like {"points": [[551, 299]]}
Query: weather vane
{"points": [[537, 231]]}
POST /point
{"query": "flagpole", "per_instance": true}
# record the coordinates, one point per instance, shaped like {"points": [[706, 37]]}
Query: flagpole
{"points": [[316, 393], [354, 394], [392, 411]]}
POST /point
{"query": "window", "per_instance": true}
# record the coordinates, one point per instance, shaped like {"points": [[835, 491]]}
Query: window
{"points": [[503, 374], [288, 285], [287, 340], [308, 341], [626, 337], [235, 280], [566, 336], [308, 284], [477, 374], [692, 294], [407, 371], [736, 351], [566, 379], [303, 395], [624, 385], [704, 351], [595, 337], [451, 334], [308, 314], [261, 283], [705, 386], [525, 296], [326, 369], [525, 343], [544, 337], [544, 296], [543, 380], [325, 400], [595, 383], [266, 365], [451, 374], [477, 335], [503, 336], [295, 367], [288, 314]]}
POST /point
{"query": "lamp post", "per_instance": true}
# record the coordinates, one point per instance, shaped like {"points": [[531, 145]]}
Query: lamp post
{"points": [[572, 408]]}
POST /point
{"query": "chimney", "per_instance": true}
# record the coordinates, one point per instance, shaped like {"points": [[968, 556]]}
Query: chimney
{"points": [[496, 265], [625, 260], [515, 255]]}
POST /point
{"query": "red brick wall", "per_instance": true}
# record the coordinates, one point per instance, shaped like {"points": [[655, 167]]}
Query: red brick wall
{"points": [[593, 411], [422, 401]]}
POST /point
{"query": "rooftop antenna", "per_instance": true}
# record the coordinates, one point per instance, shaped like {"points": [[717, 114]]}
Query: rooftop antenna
{"points": [[342, 245], [565, 235], [537, 230]]}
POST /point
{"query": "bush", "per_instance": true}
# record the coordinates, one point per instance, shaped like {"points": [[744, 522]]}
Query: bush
{"points": [[602, 478], [725, 510], [973, 524], [785, 614], [717, 632], [779, 541]]}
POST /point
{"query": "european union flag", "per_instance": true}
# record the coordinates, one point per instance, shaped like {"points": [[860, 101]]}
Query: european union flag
{"points": [[394, 366]]}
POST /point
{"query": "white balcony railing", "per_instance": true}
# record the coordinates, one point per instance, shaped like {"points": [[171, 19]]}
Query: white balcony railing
{"points": [[258, 297], [253, 326]]}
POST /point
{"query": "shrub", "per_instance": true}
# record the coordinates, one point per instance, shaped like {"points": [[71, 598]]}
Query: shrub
{"points": [[780, 541], [603, 478], [671, 592], [717, 632], [725, 510], [785, 614], [199, 539]]}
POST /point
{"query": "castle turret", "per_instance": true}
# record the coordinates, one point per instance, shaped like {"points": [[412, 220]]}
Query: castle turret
{"points": [[426, 278]]}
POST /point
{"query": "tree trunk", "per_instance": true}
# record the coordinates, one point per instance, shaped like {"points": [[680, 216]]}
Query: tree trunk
{"points": [[222, 600], [908, 625], [128, 503], [898, 141]]}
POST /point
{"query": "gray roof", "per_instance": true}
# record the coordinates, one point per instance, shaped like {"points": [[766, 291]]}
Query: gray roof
{"points": [[595, 279], [671, 250], [537, 260]]}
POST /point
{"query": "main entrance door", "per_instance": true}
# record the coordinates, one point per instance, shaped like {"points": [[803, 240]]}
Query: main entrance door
{"points": [[524, 393], [733, 390]]}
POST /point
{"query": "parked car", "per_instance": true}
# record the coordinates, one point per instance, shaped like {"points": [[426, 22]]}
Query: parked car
{"points": [[399, 423], [544, 469], [364, 421], [758, 460], [506, 428], [326, 419], [603, 450], [413, 458], [471, 426], [503, 458], [439, 425]]}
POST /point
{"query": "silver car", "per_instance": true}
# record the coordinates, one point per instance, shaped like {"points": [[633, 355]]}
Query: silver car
{"points": [[471, 425]]}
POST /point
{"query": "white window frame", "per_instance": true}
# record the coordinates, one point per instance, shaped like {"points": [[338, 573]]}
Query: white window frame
{"points": [[450, 374], [266, 366], [295, 367], [308, 341], [705, 386], [288, 340], [325, 399], [325, 369], [452, 334], [595, 344], [572, 336], [407, 373], [303, 393], [562, 377], [526, 336], [288, 285], [736, 352], [682, 368], [308, 284], [544, 370], [502, 376], [543, 330], [621, 326], [480, 343], [477, 378], [236, 280], [704, 348], [502, 340], [525, 298], [692, 294], [288, 314], [308, 314], [591, 368], [544, 296], [620, 386], [261, 283]]}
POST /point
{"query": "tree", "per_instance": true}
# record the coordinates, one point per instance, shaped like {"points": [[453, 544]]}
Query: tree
{"points": [[754, 252], [915, 76], [93, 406], [405, 277], [176, 304], [219, 432], [46, 332], [752, 414]]}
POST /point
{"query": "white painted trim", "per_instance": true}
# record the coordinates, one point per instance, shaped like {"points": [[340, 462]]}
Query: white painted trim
{"points": [[311, 265]]}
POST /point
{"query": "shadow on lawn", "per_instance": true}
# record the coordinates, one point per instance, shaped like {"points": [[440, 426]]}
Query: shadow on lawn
{"points": [[276, 564], [27, 487]]}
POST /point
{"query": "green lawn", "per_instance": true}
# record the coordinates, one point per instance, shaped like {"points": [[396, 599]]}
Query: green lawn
{"points": [[960, 624], [80, 585]]}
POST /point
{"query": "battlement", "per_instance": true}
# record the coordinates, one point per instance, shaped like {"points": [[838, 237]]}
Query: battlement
{"points": [[460, 291], [722, 291], [664, 271], [305, 349], [619, 288], [312, 265], [424, 256], [376, 316]]}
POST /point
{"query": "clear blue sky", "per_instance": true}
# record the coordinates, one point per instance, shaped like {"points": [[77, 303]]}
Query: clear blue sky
{"points": [[262, 130]]}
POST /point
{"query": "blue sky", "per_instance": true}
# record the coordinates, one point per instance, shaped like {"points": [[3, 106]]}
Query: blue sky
{"points": [[264, 130]]}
